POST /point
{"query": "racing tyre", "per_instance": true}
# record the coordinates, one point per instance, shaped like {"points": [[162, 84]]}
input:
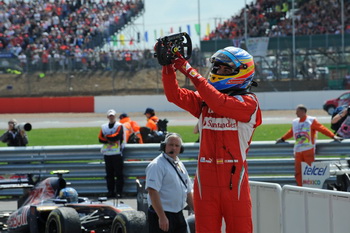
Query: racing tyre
{"points": [[130, 222], [191, 227], [63, 220]]}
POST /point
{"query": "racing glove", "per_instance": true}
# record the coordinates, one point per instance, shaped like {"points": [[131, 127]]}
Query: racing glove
{"points": [[184, 67]]}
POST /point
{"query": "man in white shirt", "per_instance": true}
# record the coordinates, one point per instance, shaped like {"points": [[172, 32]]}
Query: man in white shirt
{"points": [[169, 188]]}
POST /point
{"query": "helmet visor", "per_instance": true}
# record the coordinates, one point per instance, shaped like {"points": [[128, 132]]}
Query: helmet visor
{"points": [[224, 69], [226, 58]]}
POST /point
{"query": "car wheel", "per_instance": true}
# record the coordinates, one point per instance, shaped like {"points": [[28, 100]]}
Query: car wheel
{"points": [[191, 227], [63, 220], [130, 222], [330, 110]]}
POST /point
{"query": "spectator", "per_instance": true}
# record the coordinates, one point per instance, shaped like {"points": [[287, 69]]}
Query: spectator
{"points": [[169, 188], [264, 19], [128, 60], [132, 129], [14, 136], [112, 135], [45, 57], [340, 122], [59, 25], [304, 129], [347, 81], [23, 61], [228, 113]]}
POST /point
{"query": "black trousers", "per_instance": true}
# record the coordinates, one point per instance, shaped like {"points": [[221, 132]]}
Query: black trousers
{"points": [[114, 168], [177, 222]]}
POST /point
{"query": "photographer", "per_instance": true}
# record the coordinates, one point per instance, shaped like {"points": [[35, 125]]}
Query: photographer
{"points": [[339, 116], [14, 136]]}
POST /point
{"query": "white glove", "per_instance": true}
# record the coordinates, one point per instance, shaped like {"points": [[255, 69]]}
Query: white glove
{"points": [[337, 138]]}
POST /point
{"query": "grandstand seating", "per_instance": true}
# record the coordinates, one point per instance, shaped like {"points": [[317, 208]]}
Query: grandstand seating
{"points": [[61, 39], [38, 31], [273, 19], [318, 45]]}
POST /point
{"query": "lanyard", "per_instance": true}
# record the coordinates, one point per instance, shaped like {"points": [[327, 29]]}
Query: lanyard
{"points": [[177, 172]]}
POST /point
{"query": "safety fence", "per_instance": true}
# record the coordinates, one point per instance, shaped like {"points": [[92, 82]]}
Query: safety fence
{"points": [[268, 162], [266, 196], [298, 209]]}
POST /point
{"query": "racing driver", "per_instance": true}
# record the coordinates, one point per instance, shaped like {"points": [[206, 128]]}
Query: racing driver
{"points": [[228, 115]]}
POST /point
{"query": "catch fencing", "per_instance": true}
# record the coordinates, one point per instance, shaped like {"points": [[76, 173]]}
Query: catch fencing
{"points": [[267, 161]]}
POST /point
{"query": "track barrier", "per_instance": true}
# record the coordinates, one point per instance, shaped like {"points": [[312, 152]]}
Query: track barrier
{"points": [[271, 167], [267, 162]]}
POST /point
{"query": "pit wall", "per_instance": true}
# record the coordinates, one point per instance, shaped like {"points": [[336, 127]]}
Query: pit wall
{"points": [[137, 103]]}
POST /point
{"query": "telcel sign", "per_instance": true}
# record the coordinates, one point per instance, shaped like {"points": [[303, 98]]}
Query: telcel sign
{"points": [[315, 175]]}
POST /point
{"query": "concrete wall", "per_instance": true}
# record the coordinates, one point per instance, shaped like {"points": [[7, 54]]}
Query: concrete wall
{"points": [[268, 101]]}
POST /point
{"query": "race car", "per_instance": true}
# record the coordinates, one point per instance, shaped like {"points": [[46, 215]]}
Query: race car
{"points": [[52, 207]]}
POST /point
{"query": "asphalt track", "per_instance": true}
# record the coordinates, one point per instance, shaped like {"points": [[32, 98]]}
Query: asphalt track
{"points": [[71, 120]]}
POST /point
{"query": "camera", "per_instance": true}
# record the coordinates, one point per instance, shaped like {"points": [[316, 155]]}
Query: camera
{"points": [[24, 126], [167, 46]]}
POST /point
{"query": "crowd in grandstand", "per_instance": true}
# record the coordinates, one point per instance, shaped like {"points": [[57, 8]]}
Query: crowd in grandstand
{"points": [[39, 31], [272, 18], [62, 34], [87, 60]]}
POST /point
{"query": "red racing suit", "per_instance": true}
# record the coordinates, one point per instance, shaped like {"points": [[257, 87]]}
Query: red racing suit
{"points": [[226, 124]]}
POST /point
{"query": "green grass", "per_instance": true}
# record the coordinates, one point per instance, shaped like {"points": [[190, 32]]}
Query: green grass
{"points": [[88, 135]]}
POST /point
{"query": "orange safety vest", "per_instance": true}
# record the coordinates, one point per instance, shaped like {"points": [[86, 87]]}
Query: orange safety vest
{"points": [[152, 123], [154, 118], [131, 127]]}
